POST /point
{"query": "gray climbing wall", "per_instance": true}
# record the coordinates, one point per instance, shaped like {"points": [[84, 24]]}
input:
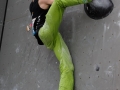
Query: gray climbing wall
{"points": [[93, 44]]}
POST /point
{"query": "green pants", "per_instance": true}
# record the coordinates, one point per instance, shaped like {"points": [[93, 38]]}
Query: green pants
{"points": [[52, 39]]}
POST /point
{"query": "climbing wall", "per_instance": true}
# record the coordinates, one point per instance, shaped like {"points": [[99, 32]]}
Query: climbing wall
{"points": [[94, 46]]}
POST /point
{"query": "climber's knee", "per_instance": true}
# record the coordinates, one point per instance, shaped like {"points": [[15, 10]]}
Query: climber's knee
{"points": [[46, 36]]}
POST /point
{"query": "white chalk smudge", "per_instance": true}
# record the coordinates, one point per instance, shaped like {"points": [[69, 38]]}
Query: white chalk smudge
{"points": [[117, 23], [80, 74], [38, 86], [17, 50], [109, 71], [15, 87], [89, 85], [103, 38], [106, 27]]}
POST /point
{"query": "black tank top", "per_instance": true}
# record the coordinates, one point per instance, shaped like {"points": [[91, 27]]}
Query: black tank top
{"points": [[37, 13]]}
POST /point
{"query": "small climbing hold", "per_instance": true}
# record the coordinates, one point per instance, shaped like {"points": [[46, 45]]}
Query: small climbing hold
{"points": [[97, 68]]}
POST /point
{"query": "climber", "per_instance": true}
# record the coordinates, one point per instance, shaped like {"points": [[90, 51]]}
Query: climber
{"points": [[46, 19]]}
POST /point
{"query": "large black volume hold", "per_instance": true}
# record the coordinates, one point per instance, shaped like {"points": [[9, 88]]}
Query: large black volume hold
{"points": [[98, 9]]}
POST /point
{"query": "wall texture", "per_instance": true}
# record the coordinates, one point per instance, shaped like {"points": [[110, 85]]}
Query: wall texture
{"points": [[94, 46]]}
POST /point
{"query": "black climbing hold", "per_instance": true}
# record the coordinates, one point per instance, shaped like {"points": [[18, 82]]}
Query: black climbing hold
{"points": [[97, 68], [98, 9]]}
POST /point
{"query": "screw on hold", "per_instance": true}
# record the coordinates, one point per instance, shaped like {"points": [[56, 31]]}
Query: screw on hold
{"points": [[97, 68]]}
